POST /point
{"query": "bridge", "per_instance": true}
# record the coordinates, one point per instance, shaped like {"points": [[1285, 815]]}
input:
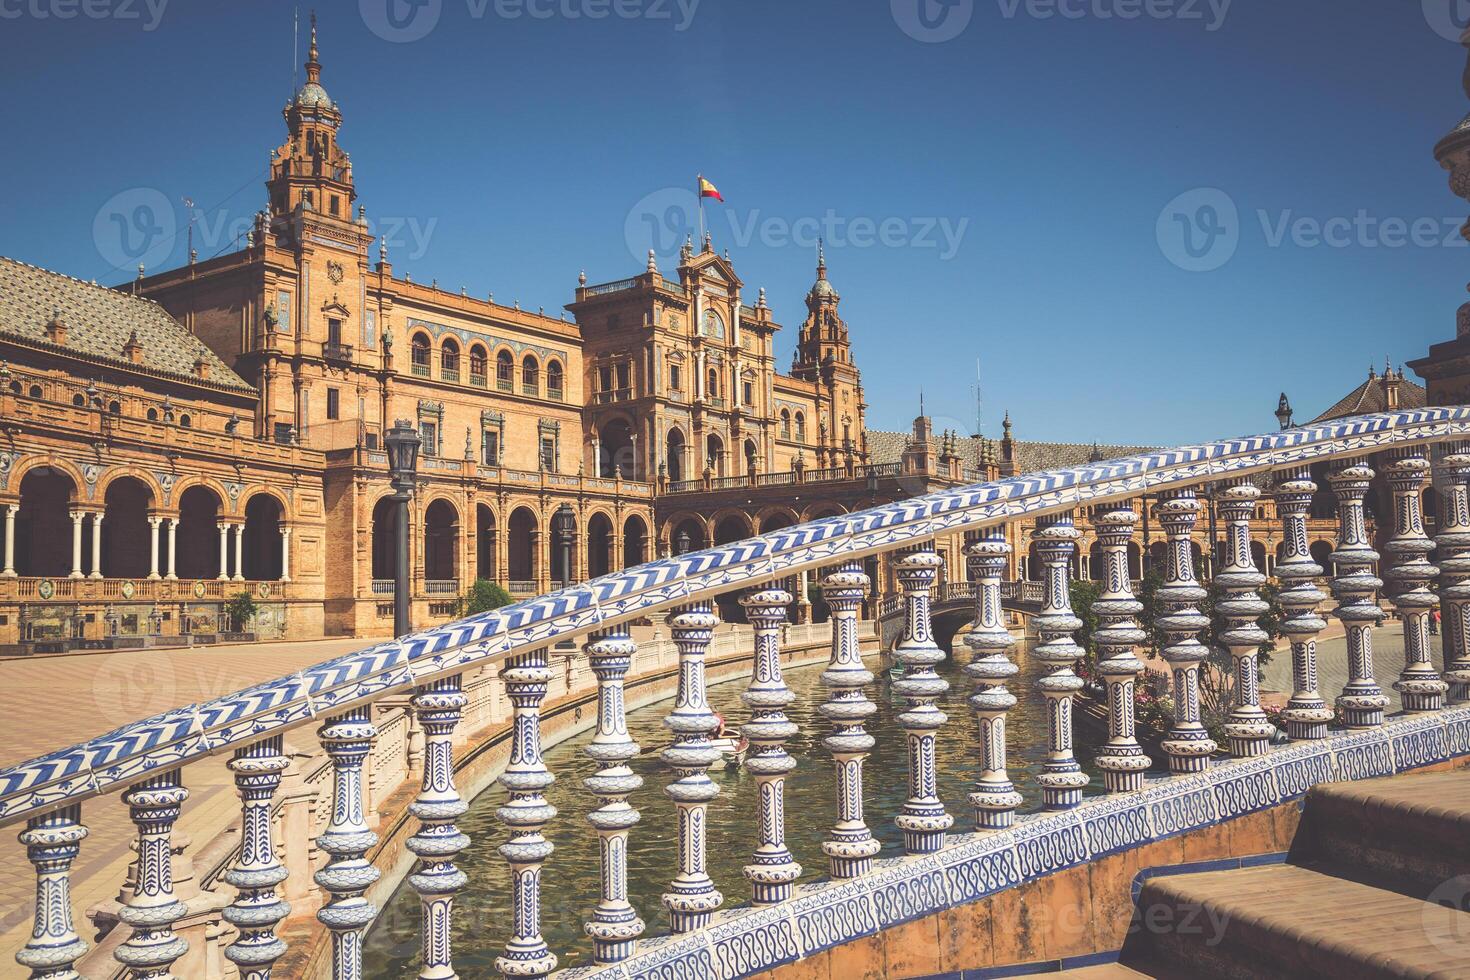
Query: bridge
{"points": [[1335, 840]]}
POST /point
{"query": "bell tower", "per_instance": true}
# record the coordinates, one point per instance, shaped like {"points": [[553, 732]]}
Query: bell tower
{"points": [[823, 357]]}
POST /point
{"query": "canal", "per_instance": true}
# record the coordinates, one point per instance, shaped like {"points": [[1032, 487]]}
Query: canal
{"points": [[569, 883]]}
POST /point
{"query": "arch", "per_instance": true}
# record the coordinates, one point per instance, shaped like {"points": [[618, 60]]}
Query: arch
{"points": [[479, 361], [1322, 554], [599, 545], [505, 369], [1258, 556], [196, 543], [732, 526], [635, 541], [523, 531], [43, 526], [441, 541], [694, 528], [208, 483], [126, 534], [785, 423], [385, 538], [615, 453], [555, 379], [714, 453], [485, 543], [775, 518], [449, 357], [530, 375], [260, 555], [25, 464], [116, 473], [750, 457], [712, 388], [420, 352], [817, 512], [800, 420], [674, 452]]}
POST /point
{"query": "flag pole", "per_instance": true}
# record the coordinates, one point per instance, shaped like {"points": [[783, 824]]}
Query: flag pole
{"points": [[699, 195]]}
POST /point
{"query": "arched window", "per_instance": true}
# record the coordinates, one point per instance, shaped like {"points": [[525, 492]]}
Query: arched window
{"points": [[115, 408], [35, 391], [79, 400], [153, 415], [785, 424], [185, 421], [530, 376], [800, 427], [477, 365], [419, 355], [449, 360], [505, 371], [714, 383], [15, 387], [554, 380]]}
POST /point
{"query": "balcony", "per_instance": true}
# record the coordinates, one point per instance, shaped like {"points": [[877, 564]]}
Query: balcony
{"points": [[338, 353], [615, 395]]}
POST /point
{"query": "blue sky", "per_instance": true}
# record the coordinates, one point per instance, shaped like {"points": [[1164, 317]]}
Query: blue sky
{"points": [[1008, 180]]}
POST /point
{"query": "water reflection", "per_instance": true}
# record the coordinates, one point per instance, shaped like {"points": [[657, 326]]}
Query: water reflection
{"points": [[570, 880]]}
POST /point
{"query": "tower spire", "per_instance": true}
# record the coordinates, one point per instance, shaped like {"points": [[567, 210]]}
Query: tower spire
{"points": [[821, 259], [313, 67]]}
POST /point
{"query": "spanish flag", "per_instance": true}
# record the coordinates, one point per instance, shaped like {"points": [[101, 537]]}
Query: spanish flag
{"points": [[706, 189]]}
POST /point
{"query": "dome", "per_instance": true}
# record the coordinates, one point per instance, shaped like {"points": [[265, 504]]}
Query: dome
{"points": [[822, 289], [313, 96]]}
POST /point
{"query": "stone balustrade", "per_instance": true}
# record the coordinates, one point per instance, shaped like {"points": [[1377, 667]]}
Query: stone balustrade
{"points": [[413, 695]]}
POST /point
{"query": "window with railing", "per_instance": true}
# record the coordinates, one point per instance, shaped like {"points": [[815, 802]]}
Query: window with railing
{"points": [[554, 381], [449, 360], [478, 365], [505, 371], [530, 376], [419, 355]]}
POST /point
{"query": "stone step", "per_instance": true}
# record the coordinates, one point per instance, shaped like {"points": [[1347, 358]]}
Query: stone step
{"points": [[1290, 921], [1406, 833]]}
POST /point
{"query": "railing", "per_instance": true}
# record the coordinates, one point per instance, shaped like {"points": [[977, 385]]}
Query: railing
{"points": [[789, 477], [610, 287], [521, 587], [143, 760], [337, 352], [616, 395], [382, 586], [446, 586]]}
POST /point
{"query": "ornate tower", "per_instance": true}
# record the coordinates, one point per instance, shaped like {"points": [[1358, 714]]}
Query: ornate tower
{"points": [[824, 356], [310, 170]]}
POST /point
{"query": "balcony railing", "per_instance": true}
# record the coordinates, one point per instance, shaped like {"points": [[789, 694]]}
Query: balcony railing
{"points": [[341, 353], [788, 477], [143, 761], [610, 287], [445, 586]]}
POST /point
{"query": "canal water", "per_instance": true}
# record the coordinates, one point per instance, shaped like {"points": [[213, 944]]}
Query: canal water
{"points": [[569, 881]]}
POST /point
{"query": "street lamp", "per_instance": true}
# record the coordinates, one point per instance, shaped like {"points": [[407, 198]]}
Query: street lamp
{"points": [[403, 460], [681, 542], [564, 525]]}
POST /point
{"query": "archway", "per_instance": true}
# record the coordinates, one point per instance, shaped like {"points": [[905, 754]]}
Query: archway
{"points": [[262, 545], [1322, 555], [43, 526], [674, 455], [1258, 556], [485, 543], [385, 539], [441, 537], [733, 527], [523, 530], [126, 534], [599, 546], [693, 529], [615, 455], [714, 454], [1096, 567], [196, 545], [635, 541], [750, 454], [776, 520]]}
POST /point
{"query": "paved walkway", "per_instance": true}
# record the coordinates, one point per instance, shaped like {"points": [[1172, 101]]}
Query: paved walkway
{"points": [[1332, 671]]}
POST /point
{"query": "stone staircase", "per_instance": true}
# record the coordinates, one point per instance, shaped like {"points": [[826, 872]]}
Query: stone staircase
{"points": [[1377, 884]]}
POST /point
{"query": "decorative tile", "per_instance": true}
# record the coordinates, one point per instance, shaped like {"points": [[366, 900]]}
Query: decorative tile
{"points": [[1049, 843], [1362, 755], [1419, 741], [1457, 730], [980, 866], [1301, 767], [670, 957], [747, 940], [1180, 805], [1245, 785], [1115, 823], [906, 888], [829, 913]]}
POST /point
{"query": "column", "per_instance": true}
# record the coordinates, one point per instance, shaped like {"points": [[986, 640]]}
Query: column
{"points": [[347, 739], [851, 846], [9, 569], [1188, 745], [76, 543], [772, 869], [525, 813], [922, 819], [224, 551], [615, 925], [1061, 779], [438, 706], [995, 798], [173, 534], [239, 575], [285, 554], [1306, 714], [1452, 545], [1419, 686], [1362, 701], [257, 908], [53, 842], [1117, 636], [1240, 609], [152, 909], [153, 523], [803, 597], [692, 896], [96, 546]]}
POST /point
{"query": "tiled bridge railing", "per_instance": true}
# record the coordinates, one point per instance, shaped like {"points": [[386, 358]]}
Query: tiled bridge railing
{"points": [[142, 761]]}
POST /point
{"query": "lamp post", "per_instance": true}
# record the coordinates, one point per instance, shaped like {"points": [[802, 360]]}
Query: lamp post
{"points": [[403, 459], [564, 525], [681, 542]]}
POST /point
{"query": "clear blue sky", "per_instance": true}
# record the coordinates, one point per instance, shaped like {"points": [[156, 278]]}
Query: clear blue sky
{"points": [[524, 140]]}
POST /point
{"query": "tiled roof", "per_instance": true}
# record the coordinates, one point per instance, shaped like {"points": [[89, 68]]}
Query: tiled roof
{"points": [[1372, 396], [887, 447], [99, 321]]}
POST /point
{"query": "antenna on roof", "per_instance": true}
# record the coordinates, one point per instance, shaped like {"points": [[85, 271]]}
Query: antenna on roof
{"points": [[977, 396], [295, 46]]}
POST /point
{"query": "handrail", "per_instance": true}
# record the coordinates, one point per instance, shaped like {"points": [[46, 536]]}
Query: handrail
{"points": [[139, 750]]}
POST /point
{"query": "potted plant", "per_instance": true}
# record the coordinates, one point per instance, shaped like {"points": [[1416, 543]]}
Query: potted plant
{"points": [[240, 609]]}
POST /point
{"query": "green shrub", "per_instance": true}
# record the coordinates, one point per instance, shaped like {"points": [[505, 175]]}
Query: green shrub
{"points": [[483, 596], [241, 609]]}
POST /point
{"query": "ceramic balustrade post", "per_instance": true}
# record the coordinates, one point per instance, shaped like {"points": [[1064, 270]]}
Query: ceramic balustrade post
{"points": [[526, 813], [1240, 610], [1452, 546], [1117, 637], [995, 798], [615, 925], [438, 705], [1188, 744], [772, 869], [256, 873], [347, 739], [53, 842], [1061, 778], [154, 806], [1306, 714], [1419, 685], [1355, 586], [851, 846], [692, 897], [922, 820]]}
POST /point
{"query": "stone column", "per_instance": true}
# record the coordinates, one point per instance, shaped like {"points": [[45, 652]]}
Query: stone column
{"points": [[153, 523], [1061, 779], [76, 543], [923, 820], [239, 575], [1306, 715], [692, 897], [1419, 686], [224, 551], [438, 706], [1452, 546], [173, 565], [772, 869], [9, 570], [152, 909], [851, 846], [1362, 701], [53, 842], [1240, 610], [347, 739], [96, 546], [1117, 637], [285, 554], [615, 925], [995, 798], [1188, 744], [257, 908]]}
